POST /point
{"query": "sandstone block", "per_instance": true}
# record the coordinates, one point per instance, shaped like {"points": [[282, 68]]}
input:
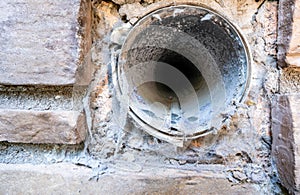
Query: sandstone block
{"points": [[286, 139], [288, 33], [70, 179], [56, 127], [45, 42]]}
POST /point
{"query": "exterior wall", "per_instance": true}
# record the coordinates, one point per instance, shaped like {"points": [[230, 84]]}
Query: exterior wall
{"points": [[65, 108], [244, 143], [44, 70]]}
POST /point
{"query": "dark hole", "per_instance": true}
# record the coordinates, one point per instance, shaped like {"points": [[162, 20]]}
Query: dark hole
{"points": [[183, 65]]}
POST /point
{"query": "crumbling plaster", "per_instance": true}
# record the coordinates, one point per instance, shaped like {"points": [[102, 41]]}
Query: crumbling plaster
{"points": [[243, 146]]}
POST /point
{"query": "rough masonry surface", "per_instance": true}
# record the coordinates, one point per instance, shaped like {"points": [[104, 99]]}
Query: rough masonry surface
{"points": [[286, 139], [289, 33], [60, 127], [66, 178], [43, 42]]}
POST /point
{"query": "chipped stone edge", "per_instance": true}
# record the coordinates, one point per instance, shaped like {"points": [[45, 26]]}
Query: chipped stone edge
{"points": [[85, 68], [72, 179], [285, 16], [285, 135], [59, 127]]}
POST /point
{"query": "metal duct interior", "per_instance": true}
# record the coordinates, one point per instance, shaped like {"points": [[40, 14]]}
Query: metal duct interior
{"points": [[185, 66]]}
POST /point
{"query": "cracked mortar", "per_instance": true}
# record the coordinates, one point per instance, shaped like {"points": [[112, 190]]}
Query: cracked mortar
{"points": [[243, 145]]}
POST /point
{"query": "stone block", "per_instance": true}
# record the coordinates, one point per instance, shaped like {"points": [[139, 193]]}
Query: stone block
{"points": [[71, 179], [288, 33], [286, 139], [56, 127], [45, 42]]}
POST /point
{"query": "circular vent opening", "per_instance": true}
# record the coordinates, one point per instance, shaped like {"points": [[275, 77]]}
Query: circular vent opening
{"points": [[184, 67]]}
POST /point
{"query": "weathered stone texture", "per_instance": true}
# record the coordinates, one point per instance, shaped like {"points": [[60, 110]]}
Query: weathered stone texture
{"points": [[70, 179], [106, 16], [239, 12], [290, 80], [289, 33], [44, 42], [286, 139], [56, 127]]}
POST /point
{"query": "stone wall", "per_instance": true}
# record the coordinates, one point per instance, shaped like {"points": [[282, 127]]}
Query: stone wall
{"points": [[44, 70], [285, 114], [58, 103]]}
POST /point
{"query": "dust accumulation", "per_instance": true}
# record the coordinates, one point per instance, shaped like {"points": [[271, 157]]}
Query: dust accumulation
{"points": [[241, 145]]}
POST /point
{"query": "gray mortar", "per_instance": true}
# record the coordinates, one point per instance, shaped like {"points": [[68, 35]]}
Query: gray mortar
{"points": [[238, 145], [246, 150], [33, 98], [38, 154], [41, 98]]}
